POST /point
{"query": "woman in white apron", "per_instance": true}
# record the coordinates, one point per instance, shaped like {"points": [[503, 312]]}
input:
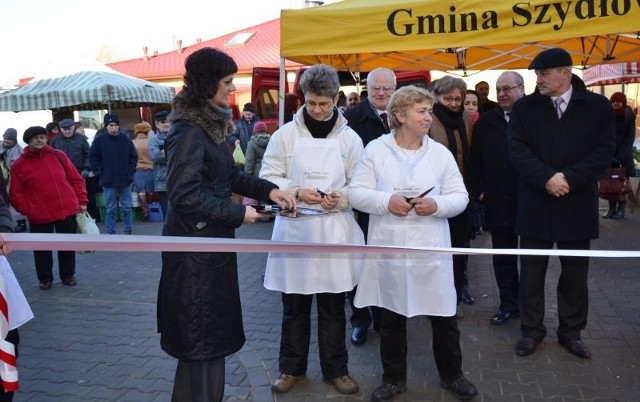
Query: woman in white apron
{"points": [[313, 158], [410, 185]]}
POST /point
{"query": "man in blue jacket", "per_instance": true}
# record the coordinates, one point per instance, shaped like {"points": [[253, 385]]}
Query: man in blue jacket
{"points": [[113, 159], [561, 138]]}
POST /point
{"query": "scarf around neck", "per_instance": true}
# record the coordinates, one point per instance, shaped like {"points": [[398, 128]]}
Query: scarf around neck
{"points": [[451, 121], [317, 128], [213, 119]]}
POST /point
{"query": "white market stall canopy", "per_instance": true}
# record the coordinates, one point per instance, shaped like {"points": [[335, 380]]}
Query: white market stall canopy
{"points": [[97, 87]]}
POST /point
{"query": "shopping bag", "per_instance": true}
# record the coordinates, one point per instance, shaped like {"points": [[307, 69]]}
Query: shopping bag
{"points": [[238, 156], [86, 225]]}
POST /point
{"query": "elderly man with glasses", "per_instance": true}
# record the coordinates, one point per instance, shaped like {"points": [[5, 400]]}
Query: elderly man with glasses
{"points": [[497, 181], [369, 119]]}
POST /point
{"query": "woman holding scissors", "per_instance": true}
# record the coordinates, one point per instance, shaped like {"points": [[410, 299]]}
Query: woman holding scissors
{"points": [[410, 184], [313, 158]]}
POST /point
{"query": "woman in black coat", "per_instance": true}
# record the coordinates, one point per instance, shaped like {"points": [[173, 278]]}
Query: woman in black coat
{"points": [[199, 313], [623, 157]]}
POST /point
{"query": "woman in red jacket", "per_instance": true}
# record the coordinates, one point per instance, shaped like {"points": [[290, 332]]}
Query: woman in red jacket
{"points": [[47, 188]]}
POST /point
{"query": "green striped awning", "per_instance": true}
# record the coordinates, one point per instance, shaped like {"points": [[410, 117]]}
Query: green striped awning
{"points": [[86, 90]]}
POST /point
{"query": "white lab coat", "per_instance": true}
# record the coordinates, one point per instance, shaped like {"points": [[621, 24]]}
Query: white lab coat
{"points": [[294, 159], [408, 284]]}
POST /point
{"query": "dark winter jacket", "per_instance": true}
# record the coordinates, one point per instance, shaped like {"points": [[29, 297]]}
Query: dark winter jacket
{"points": [[45, 186], [625, 136], [365, 120], [199, 312], [244, 131], [113, 158], [497, 178], [580, 145], [77, 149], [255, 151]]}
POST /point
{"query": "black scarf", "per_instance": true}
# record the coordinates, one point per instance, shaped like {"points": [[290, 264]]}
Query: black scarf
{"points": [[451, 121], [317, 128]]}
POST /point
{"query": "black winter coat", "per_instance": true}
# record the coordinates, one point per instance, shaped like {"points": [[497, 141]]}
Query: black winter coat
{"points": [[497, 178], [580, 145], [199, 312], [365, 121]]}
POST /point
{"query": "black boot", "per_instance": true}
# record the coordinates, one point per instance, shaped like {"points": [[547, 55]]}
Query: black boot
{"points": [[466, 295], [619, 213], [612, 209]]}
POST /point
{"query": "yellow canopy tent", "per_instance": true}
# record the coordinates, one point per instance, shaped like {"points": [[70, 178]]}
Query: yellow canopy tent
{"points": [[359, 35]]}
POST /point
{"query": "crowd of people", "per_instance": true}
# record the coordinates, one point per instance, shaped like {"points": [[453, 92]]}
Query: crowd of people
{"points": [[396, 167]]}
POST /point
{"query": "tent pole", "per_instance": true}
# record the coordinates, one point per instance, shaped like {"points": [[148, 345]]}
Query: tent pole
{"points": [[281, 93]]}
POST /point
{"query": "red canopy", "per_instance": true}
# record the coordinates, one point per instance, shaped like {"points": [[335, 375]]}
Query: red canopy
{"points": [[608, 74]]}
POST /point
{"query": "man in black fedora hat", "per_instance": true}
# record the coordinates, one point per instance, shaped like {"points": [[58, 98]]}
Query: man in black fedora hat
{"points": [[561, 138]]}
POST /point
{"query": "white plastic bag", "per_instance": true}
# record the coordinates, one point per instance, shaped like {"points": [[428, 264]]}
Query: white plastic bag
{"points": [[86, 224]]}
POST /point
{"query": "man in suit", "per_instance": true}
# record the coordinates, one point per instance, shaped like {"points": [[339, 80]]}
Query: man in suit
{"points": [[561, 138], [369, 119], [497, 181]]}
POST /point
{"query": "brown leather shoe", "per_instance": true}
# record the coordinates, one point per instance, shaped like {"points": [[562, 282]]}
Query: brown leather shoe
{"points": [[70, 281], [344, 384], [576, 347], [285, 383], [46, 285]]}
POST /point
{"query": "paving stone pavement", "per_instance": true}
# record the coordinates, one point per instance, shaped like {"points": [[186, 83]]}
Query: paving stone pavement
{"points": [[97, 341]]}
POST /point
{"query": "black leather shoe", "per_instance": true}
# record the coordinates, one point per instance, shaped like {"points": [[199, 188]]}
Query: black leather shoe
{"points": [[576, 347], [526, 346], [358, 335], [462, 387], [386, 392], [501, 317]]}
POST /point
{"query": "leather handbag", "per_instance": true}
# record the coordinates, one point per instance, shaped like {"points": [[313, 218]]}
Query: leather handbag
{"points": [[614, 184]]}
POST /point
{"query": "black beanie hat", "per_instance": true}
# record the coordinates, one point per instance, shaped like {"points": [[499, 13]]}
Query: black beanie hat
{"points": [[33, 131], [248, 107], [111, 118]]}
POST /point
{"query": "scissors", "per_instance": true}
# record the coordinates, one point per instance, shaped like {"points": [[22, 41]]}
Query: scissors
{"points": [[322, 194], [419, 196]]}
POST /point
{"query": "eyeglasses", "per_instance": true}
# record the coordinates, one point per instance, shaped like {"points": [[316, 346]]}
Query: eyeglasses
{"points": [[506, 90], [378, 88], [450, 99], [322, 105]]}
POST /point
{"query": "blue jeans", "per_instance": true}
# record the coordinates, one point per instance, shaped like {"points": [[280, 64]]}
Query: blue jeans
{"points": [[112, 195]]}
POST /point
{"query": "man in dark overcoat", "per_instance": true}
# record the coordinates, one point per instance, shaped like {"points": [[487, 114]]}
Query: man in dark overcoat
{"points": [[497, 179], [561, 138]]}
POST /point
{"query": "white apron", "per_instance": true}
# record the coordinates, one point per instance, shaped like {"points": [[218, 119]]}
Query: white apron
{"points": [[315, 163], [415, 284]]}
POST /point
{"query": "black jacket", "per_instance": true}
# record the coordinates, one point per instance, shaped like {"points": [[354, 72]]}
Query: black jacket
{"points": [[496, 176], [199, 312], [580, 145], [365, 121]]}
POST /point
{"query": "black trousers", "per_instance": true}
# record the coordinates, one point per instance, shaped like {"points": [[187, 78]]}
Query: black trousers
{"points": [[393, 347], [459, 238], [199, 381], [44, 259], [573, 293], [296, 334], [505, 267]]}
